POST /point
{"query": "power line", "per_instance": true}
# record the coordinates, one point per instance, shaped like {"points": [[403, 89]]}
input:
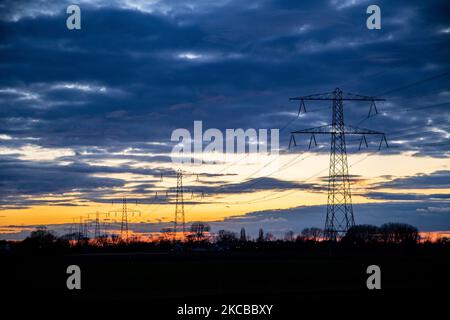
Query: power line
{"points": [[292, 120], [268, 198], [339, 217], [265, 198], [408, 86], [416, 83]]}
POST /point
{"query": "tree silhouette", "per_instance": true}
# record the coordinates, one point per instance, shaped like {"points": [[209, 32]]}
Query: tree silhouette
{"points": [[260, 235], [289, 236], [363, 233], [227, 237], [269, 237], [198, 230], [312, 234], [399, 233], [243, 237], [388, 233], [43, 239]]}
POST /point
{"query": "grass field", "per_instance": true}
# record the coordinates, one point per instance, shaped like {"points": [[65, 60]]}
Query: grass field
{"points": [[291, 280]]}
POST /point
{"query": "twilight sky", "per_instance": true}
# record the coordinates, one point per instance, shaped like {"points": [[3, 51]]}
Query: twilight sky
{"points": [[86, 115]]}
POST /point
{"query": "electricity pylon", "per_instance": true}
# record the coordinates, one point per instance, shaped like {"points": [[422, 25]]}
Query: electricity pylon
{"points": [[124, 219], [80, 230], [179, 205], [339, 204], [97, 226]]}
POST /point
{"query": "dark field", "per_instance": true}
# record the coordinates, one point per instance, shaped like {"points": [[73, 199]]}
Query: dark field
{"points": [[294, 281]]}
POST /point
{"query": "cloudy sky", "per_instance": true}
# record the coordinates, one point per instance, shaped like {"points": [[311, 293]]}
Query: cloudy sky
{"points": [[86, 116]]}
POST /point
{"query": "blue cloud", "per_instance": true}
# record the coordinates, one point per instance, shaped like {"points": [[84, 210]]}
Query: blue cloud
{"points": [[136, 71]]}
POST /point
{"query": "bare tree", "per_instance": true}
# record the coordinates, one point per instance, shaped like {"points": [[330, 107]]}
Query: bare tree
{"points": [[198, 230], [399, 233], [269, 237], [289, 236], [313, 234], [243, 237], [363, 233], [225, 236], [260, 235]]}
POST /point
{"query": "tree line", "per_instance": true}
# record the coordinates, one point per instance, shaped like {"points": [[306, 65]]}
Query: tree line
{"points": [[199, 235]]}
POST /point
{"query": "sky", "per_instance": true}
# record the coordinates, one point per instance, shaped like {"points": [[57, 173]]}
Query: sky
{"points": [[86, 116]]}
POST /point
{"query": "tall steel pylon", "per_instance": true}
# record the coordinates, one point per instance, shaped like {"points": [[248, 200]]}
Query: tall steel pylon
{"points": [[339, 216], [124, 218], [82, 230], [179, 205], [97, 225]]}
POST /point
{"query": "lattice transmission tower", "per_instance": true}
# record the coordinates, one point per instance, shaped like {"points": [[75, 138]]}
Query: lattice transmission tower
{"points": [[124, 218], [97, 232], [179, 205], [339, 216], [83, 231]]}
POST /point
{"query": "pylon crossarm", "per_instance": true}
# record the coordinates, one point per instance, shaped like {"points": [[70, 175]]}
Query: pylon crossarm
{"points": [[360, 97], [319, 96], [349, 129], [329, 129], [326, 129], [331, 96]]}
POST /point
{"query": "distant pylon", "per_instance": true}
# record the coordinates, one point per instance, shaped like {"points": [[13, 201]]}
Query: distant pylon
{"points": [[243, 236], [124, 222], [179, 205], [339, 204], [97, 226], [105, 228], [81, 230], [72, 227]]}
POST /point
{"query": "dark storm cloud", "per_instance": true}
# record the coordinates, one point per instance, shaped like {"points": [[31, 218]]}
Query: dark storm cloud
{"points": [[35, 178], [436, 180], [163, 71], [252, 185], [389, 196], [195, 194], [21, 180], [136, 71]]}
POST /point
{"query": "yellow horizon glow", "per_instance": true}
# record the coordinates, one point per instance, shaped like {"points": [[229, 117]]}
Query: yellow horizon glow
{"points": [[306, 168]]}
